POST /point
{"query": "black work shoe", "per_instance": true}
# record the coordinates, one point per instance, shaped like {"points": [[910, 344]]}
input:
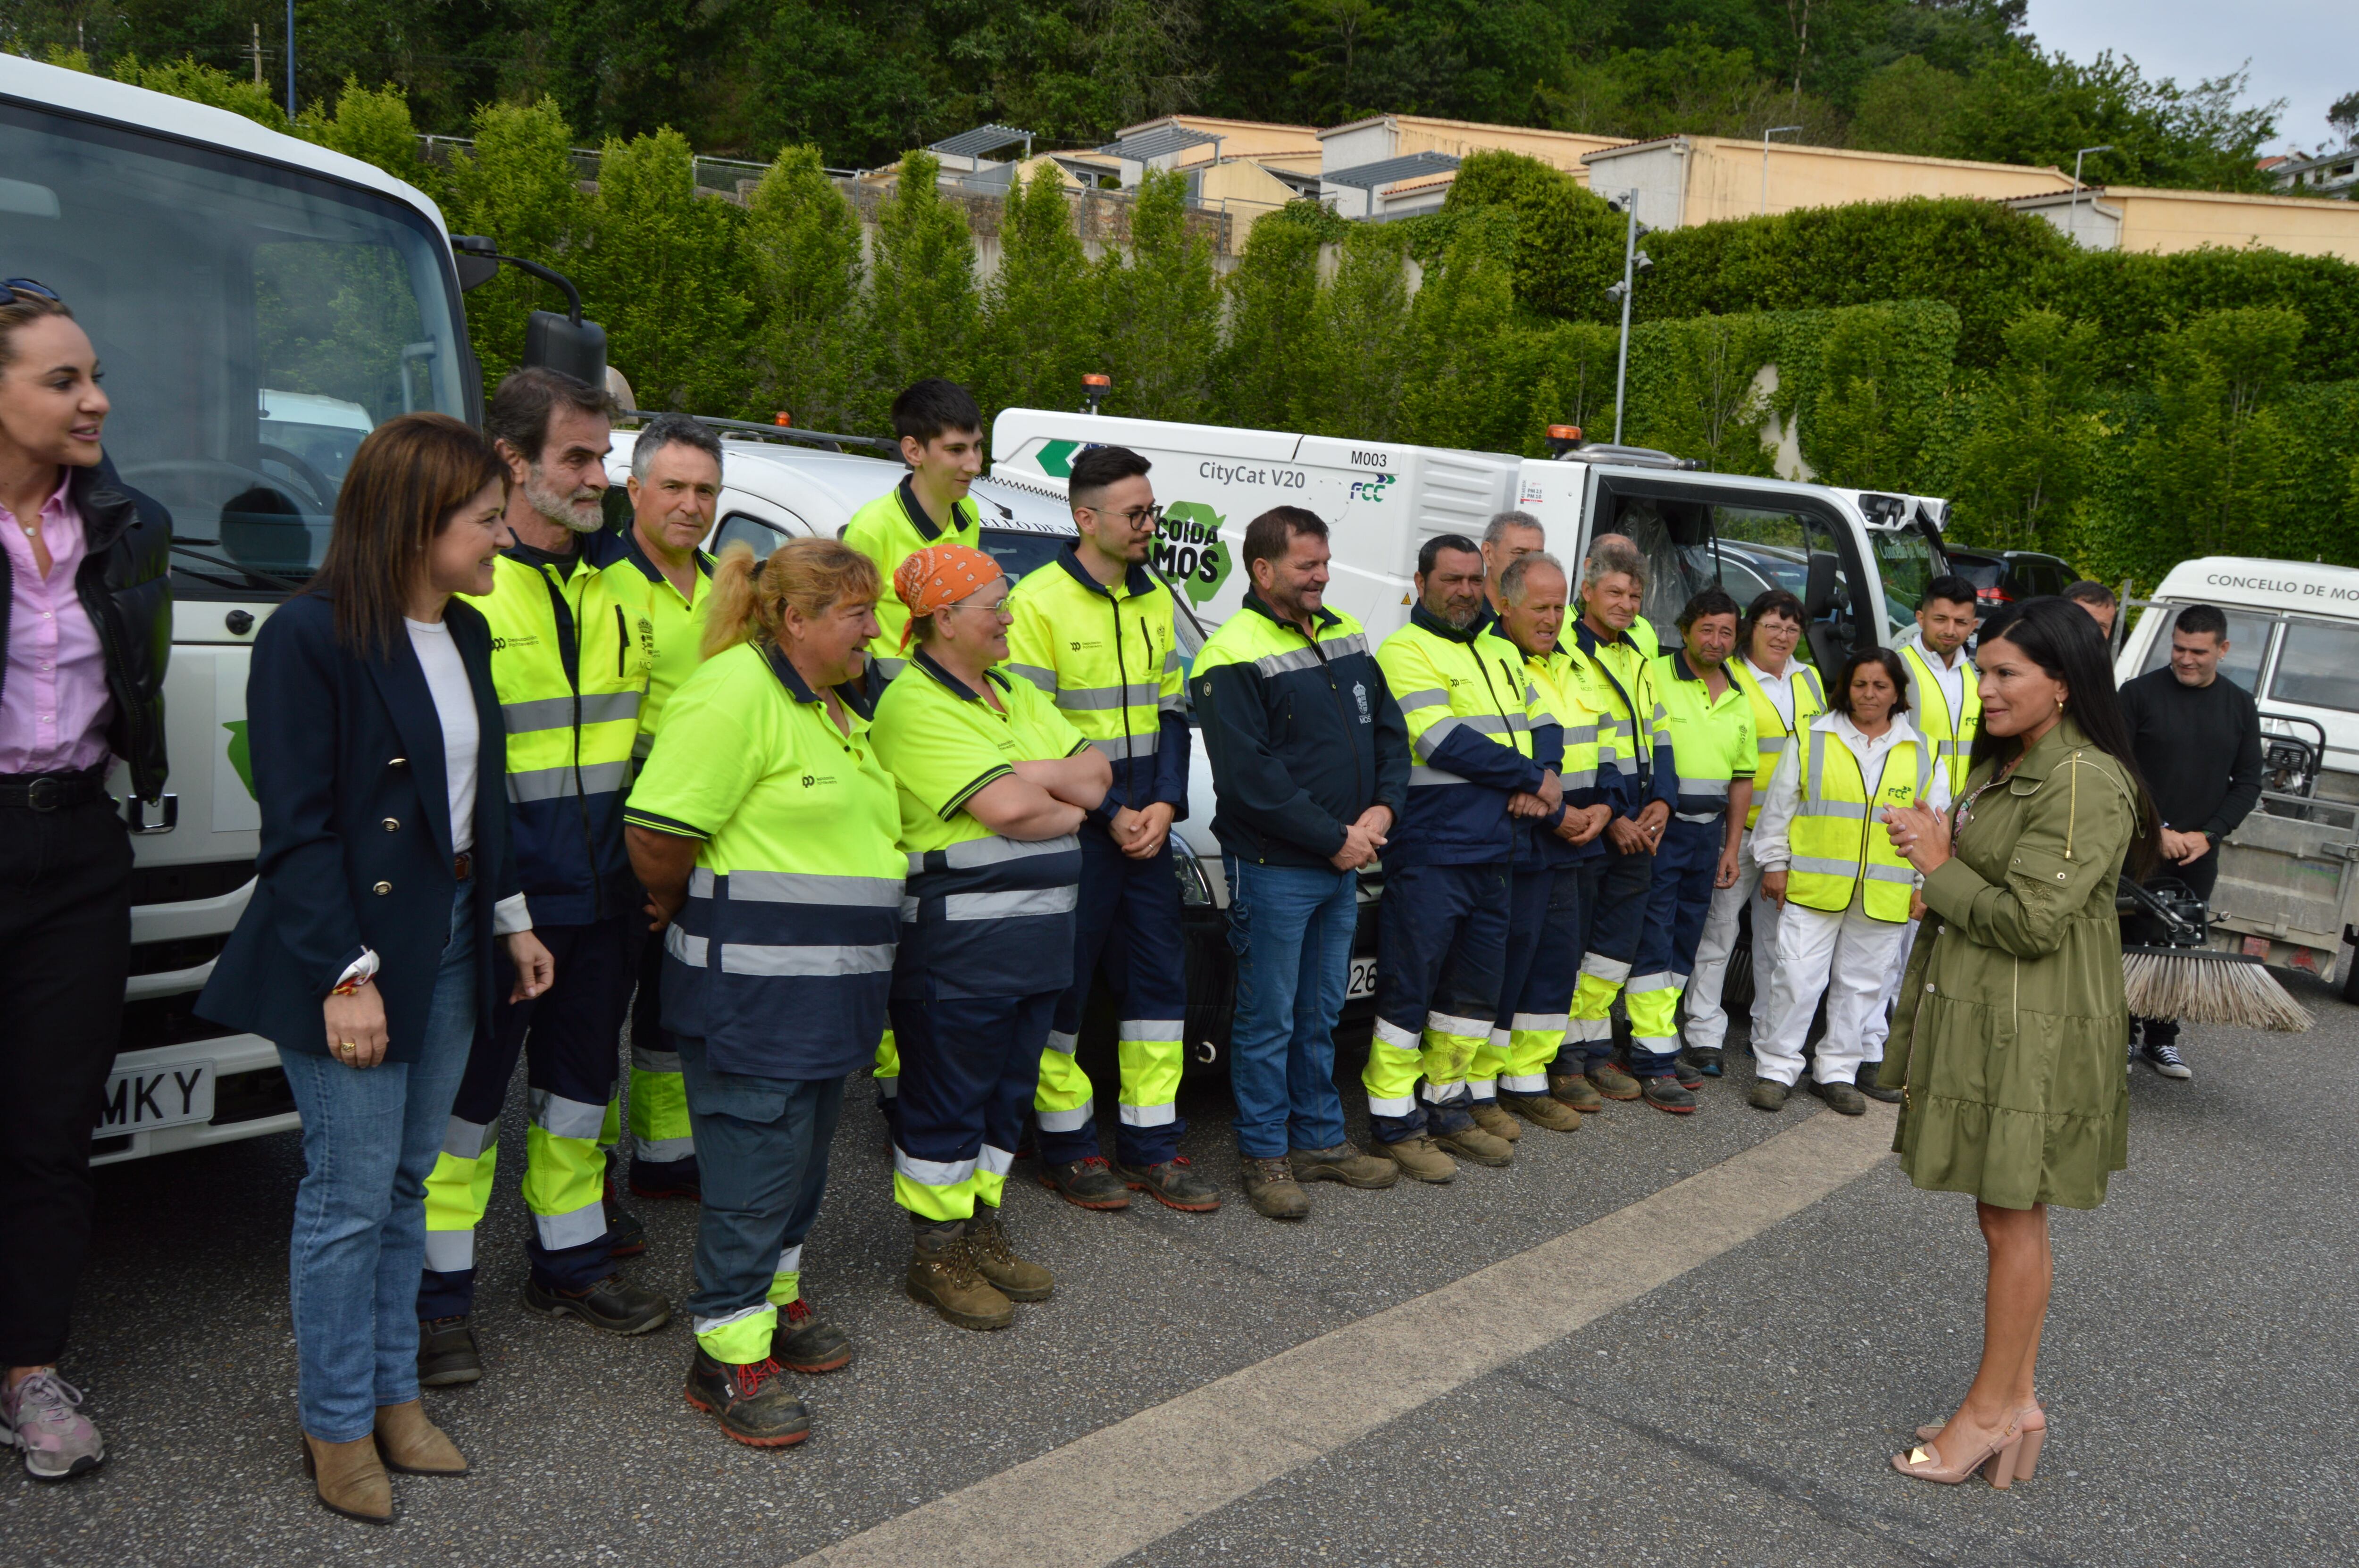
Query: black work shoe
{"points": [[1865, 1082], [447, 1353], [754, 1403], [678, 1180], [1173, 1185], [1086, 1184], [626, 1237], [1840, 1098], [1766, 1094], [1667, 1094], [1271, 1188], [613, 1304], [1689, 1076], [805, 1341], [1706, 1060]]}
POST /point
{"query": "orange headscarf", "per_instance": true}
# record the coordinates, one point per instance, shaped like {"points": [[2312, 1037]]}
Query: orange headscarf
{"points": [[940, 575]]}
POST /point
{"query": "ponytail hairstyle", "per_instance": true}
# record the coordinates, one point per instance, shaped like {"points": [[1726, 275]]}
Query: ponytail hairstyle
{"points": [[749, 600]]}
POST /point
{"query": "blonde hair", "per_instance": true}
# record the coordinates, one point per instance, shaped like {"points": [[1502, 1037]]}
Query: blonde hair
{"points": [[749, 600]]}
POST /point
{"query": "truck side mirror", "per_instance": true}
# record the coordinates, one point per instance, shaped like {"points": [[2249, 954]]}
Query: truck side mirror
{"points": [[475, 257], [1818, 589], [566, 343]]}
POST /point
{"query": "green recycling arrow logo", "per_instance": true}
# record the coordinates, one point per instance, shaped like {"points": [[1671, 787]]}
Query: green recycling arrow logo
{"points": [[1057, 458], [1189, 551]]}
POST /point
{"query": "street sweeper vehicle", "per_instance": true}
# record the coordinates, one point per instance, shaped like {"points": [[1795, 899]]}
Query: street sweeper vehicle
{"points": [[2289, 886]]}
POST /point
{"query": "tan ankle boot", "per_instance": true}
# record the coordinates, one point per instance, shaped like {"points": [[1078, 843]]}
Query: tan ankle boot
{"points": [[351, 1480], [413, 1445]]}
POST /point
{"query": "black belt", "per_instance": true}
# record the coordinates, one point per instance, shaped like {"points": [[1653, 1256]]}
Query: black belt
{"points": [[55, 792]]}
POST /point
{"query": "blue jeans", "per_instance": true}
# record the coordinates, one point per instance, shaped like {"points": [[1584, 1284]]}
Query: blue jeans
{"points": [[764, 1143], [1291, 929], [370, 1137]]}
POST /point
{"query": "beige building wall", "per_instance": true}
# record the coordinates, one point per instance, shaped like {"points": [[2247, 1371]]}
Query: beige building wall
{"points": [[1383, 137], [2158, 222], [1239, 138], [1685, 180]]}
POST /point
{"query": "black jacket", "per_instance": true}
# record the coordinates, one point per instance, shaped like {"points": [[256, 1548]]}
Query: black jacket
{"points": [[1302, 737], [126, 587], [357, 831]]}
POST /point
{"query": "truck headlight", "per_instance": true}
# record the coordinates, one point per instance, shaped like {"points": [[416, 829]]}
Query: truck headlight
{"points": [[1195, 887]]}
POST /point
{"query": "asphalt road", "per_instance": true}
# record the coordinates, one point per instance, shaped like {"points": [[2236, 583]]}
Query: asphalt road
{"points": [[2198, 1372]]}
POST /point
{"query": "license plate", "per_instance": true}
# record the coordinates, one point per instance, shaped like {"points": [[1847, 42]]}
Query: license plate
{"points": [[1364, 978], [150, 1097]]}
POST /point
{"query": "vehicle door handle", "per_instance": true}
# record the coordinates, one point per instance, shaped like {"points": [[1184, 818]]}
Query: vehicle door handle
{"points": [[135, 812]]}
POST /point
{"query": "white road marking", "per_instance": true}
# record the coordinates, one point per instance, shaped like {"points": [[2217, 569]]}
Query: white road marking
{"points": [[1101, 1498]]}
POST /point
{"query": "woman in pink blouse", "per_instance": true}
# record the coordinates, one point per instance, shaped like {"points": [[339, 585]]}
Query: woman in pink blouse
{"points": [[85, 607]]}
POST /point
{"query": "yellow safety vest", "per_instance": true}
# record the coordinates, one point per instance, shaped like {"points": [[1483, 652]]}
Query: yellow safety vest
{"points": [[1929, 710], [888, 531], [1837, 842], [1770, 732]]}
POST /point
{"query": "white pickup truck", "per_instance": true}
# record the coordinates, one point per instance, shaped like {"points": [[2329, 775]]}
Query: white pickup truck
{"points": [[2288, 888]]}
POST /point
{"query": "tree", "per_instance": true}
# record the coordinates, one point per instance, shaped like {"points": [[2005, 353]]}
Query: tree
{"points": [[2029, 108], [374, 127], [1354, 365], [1273, 301], [2210, 463], [1464, 366], [1040, 309], [803, 252], [2343, 116], [2037, 439], [922, 307], [185, 77], [1159, 310], [665, 276], [517, 187], [1693, 390]]}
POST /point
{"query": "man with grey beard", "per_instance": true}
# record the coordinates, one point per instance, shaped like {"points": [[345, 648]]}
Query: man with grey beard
{"points": [[569, 663]]}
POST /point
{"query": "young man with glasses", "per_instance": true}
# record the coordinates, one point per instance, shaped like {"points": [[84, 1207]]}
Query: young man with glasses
{"points": [[1095, 632]]}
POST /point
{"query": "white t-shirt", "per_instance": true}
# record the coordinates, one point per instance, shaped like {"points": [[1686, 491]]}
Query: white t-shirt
{"points": [[463, 736], [1778, 689]]}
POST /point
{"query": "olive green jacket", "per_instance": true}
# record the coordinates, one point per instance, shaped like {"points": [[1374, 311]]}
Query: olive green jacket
{"points": [[2009, 1036]]}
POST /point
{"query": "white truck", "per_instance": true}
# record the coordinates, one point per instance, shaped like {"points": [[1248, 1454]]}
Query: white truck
{"points": [[2289, 886]]}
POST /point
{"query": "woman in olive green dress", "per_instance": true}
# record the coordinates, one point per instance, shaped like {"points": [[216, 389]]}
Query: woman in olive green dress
{"points": [[2007, 1036]]}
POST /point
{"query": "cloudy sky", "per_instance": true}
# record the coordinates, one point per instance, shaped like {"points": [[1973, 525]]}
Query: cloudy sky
{"points": [[2305, 52]]}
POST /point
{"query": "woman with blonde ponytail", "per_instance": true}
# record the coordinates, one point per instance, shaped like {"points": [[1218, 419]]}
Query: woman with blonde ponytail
{"points": [[764, 829]]}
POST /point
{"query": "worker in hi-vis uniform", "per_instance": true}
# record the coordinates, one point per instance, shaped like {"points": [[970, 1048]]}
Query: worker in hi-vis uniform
{"points": [[942, 437], [570, 664], [655, 568], [1094, 631], [1448, 866]]}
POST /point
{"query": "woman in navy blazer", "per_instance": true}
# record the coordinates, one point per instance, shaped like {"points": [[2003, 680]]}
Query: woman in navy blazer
{"points": [[365, 955]]}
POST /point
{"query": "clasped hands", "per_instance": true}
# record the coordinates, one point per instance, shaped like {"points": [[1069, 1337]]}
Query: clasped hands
{"points": [[1362, 839], [1139, 834]]}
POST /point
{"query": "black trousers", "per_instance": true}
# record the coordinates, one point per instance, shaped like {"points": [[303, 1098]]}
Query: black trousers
{"points": [[2199, 878], [65, 946]]}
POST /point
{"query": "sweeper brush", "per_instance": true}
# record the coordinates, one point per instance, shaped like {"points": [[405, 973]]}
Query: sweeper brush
{"points": [[2195, 984]]}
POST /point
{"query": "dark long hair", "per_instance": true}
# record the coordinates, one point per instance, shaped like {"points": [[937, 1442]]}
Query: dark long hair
{"points": [[405, 482], [2061, 639]]}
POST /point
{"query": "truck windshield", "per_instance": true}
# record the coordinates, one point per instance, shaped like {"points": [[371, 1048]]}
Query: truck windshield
{"points": [[253, 323], [1905, 559]]}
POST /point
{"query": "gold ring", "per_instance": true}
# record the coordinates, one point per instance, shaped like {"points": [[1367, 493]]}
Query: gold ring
{"points": [[347, 1047]]}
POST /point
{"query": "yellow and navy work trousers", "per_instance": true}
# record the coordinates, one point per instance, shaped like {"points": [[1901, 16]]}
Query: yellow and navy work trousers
{"points": [[1441, 953], [968, 1065], [1677, 899], [569, 1036], [1612, 918], [1129, 919], [1543, 963], [768, 1139], [663, 1145]]}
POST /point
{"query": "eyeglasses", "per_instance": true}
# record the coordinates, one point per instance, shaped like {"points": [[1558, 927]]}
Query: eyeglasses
{"points": [[1003, 610], [26, 286], [1133, 517]]}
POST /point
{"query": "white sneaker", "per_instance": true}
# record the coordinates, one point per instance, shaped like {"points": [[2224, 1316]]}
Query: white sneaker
{"points": [[39, 1415]]}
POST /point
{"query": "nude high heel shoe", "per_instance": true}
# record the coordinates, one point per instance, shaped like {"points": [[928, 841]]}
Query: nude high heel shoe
{"points": [[2031, 1420], [1996, 1459]]}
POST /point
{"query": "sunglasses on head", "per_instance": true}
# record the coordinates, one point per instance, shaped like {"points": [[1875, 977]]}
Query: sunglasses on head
{"points": [[26, 286]]}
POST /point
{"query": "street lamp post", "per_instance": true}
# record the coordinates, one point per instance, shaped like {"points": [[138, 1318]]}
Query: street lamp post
{"points": [[290, 60], [1634, 262], [1772, 130], [2073, 219]]}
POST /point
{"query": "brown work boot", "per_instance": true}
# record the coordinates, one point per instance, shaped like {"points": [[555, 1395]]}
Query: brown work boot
{"points": [[1494, 1122], [1420, 1157], [351, 1478], [1342, 1163], [411, 1444], [942, 1277], [1272, 1190], [1473, 1143], [988, 1250], [1574, 1089], [1543, 1110], [1612, 1082]]}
